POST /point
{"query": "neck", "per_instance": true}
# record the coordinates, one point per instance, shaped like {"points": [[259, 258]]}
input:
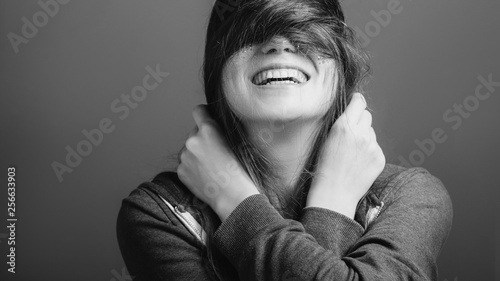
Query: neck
{"points": [[287, 144]]}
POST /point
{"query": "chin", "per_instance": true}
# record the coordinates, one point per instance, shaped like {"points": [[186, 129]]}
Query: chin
{"points": [[284, 102], [279, 112]]}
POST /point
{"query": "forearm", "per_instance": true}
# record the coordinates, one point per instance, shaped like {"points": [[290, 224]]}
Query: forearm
{"points": [[332, 230], [264, 246], [329, 217], [403, 245]]}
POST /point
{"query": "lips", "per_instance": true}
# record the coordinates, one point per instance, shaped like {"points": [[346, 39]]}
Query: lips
{"points": [[280, 76]]}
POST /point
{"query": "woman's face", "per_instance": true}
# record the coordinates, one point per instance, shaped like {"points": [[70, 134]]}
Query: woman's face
{"points": [[273, 81]]}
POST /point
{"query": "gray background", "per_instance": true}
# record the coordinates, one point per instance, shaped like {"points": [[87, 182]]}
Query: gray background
{"points": [[63, 80]]}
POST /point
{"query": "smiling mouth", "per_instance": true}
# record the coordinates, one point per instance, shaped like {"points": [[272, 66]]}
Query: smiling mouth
{"points": [[280, 76]]}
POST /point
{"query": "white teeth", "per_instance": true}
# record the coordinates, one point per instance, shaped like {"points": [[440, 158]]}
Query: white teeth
{"points": [[297, 76], [280, 82], [267, 75]]}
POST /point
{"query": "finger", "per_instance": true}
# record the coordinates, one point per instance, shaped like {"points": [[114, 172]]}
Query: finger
{"points": [[200, 114], [179, 158], [366, 119], [373, 136], [355, 108]]}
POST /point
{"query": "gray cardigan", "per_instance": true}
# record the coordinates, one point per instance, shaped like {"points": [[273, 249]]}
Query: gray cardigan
{"points": [[398, 231]]}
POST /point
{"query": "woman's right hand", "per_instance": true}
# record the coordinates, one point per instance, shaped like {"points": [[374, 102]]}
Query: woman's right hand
{"points": [[209, 169], [350, 161]]}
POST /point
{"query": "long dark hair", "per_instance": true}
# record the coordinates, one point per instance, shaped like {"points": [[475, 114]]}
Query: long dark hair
{"points": [[318, 27]]}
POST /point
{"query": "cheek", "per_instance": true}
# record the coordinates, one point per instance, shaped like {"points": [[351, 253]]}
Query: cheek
{"points": [[232, 83], [327, 84], [330, 71], [233, 89]]}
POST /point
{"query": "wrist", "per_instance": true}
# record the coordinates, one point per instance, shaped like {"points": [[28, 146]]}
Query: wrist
{"points": [[229, 200], [335, 201]]}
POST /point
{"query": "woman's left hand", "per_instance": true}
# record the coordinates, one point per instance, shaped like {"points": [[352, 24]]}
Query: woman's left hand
{"points": [[209, 168]]}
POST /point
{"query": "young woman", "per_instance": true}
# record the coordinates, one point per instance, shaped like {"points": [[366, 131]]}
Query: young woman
{"points": [[282, 177]]}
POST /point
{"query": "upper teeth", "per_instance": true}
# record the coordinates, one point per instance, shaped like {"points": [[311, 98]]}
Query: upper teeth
{"points": [[268, 76]]}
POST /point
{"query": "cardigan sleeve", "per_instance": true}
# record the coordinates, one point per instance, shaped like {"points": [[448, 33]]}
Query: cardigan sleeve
{"points": [[403, 243], [333, 231], [154, 243]]}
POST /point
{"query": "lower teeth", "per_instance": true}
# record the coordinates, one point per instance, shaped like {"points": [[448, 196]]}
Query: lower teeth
{"points": [[280, 82]]}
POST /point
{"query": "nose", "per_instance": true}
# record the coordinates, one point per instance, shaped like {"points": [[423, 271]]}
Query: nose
{"points": [[278, 45]]}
